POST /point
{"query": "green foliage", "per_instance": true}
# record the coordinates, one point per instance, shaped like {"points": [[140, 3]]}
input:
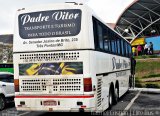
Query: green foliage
{"points": [[139, 85], [152, 85], [146, 56], [151, 76], [147, 69]]}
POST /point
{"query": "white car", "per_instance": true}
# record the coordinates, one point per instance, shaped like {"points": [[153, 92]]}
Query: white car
{"points": [[7, 92]]}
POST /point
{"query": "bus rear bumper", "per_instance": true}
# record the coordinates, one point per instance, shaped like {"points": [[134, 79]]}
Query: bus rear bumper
{"points": [[56, 104]]}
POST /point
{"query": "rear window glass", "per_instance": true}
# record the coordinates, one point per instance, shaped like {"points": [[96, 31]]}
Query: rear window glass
{"points": [[6, 78]]}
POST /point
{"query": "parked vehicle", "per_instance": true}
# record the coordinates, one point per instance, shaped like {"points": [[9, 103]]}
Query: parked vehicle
{"points": [[6, 89], [67, 59]]}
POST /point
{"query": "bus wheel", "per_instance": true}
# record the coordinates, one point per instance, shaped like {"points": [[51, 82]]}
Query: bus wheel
{"points": [[110, 99], [130, 81], [2, 103], [116, 95]]}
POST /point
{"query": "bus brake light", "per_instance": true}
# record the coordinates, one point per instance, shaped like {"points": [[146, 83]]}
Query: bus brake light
{"points": [[87, 84], [16, 85]]}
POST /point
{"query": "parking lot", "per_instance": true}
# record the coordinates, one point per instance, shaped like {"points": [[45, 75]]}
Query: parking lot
{"points": [[133, 103]]}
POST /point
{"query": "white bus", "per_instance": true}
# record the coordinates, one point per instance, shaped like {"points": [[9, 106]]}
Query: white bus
{"points": [[67, 59]]}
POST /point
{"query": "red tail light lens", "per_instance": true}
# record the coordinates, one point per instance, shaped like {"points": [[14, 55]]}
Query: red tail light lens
{"points": [[16, 85], [87, 84]]}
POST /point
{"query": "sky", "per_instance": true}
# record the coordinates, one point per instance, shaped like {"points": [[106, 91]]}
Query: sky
{"points": [[107, 10]]}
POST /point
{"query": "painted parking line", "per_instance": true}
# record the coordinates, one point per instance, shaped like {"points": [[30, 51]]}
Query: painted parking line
{"points": [[24, 113], [132, 101], [130, 104]]}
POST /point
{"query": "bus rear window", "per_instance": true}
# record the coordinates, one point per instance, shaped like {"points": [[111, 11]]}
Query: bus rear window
{"points": [[53, 23]]}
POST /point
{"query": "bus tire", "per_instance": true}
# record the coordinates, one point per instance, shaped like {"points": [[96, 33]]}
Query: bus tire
{"points": [[2, 102], [116, 94], [130, 81], [110, 97]]}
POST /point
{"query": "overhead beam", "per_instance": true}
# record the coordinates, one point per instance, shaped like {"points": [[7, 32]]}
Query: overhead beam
{"points": [[131, 23], [117, 27], [156, 1], [140, 19], [139, 16], [150, 3], [140, 24], [149, 9], [147, 27]]}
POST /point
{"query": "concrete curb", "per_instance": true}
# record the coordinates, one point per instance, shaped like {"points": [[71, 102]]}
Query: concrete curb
{"points": [[146, 90]]}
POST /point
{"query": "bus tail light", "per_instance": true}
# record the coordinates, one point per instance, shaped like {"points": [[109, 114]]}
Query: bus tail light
{"points": [[87, 84], [16, 85], [83, 106]]}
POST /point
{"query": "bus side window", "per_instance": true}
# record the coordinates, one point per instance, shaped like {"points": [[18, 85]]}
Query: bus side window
{"points": [[122, 46], [116, 47], [113, 43], [100, 36], [107, 46], [95, 33], [126, 47], [130, 50], [119, 45]]}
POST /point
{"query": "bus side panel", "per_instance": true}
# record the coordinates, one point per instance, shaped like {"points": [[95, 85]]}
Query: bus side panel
{"points": [[99, 64], [109, 69]]}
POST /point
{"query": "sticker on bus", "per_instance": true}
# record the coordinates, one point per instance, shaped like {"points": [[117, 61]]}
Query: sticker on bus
{"points": [[58, 68], [53, 23]]}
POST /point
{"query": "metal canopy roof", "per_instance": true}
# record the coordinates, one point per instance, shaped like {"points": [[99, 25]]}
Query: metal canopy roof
{"points": [[140, 19]]}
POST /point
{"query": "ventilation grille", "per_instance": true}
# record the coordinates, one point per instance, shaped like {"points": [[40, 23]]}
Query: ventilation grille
{"points": [[34, 85], [99, 83], [67, 84], [49, 56], [56, 85]]}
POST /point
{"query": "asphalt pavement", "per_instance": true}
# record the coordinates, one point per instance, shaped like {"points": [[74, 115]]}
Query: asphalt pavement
{"points": [[136, 102]]}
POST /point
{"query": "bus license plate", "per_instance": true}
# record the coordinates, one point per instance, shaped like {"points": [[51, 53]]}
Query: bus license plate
{"points": [[49, 103]]}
